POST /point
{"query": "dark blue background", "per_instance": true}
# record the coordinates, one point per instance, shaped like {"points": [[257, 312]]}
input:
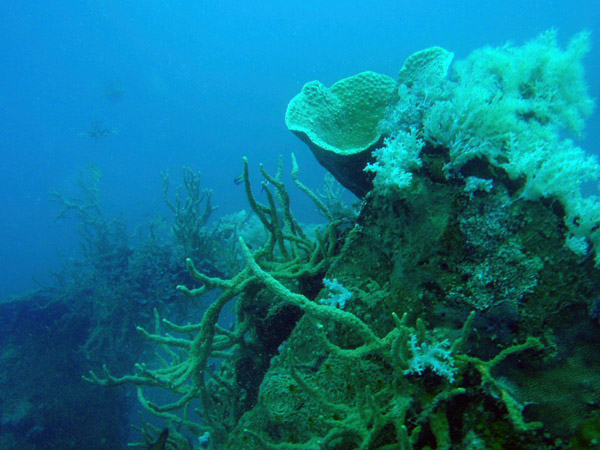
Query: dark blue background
{"points": [[205, 82]]}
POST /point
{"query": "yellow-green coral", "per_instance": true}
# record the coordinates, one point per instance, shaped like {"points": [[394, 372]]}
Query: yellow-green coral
{"points": [[342, 119], [340, 124]]}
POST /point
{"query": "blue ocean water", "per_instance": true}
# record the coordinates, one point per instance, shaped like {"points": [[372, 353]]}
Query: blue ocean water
{"points": [[201, 84]]}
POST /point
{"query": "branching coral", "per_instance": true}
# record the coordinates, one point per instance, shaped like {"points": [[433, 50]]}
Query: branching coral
{"points": [[185, 370], [192, 209]]}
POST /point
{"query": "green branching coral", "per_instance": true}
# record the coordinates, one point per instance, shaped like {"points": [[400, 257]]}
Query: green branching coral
{"points": [[91, 286], [395, 348], [191, 209], [104, 241], [184, 362]]}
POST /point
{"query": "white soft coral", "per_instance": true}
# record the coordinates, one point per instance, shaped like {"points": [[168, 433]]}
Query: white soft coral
{"points": [[396, 160], [437, 357]]}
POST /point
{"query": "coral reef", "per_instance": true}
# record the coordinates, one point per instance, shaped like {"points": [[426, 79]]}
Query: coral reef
{"points": [[469, 277]]}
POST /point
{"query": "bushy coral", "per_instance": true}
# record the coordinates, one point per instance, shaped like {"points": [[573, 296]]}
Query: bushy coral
{"points": [[556, 169], [541, 82], [500, 94], [436, 356], [338, 295], [510, 106], [397, 159]]}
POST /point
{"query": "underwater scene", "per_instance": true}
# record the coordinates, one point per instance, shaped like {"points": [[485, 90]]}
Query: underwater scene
{"points": [[300, 225]]}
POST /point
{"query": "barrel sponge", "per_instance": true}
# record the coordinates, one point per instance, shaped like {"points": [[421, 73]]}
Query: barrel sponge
{"points": [[339, 123]]}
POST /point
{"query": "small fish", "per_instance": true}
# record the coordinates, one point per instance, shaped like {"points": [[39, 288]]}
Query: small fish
{"points": [[98, 132], [239, 180], [161, 441]]}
